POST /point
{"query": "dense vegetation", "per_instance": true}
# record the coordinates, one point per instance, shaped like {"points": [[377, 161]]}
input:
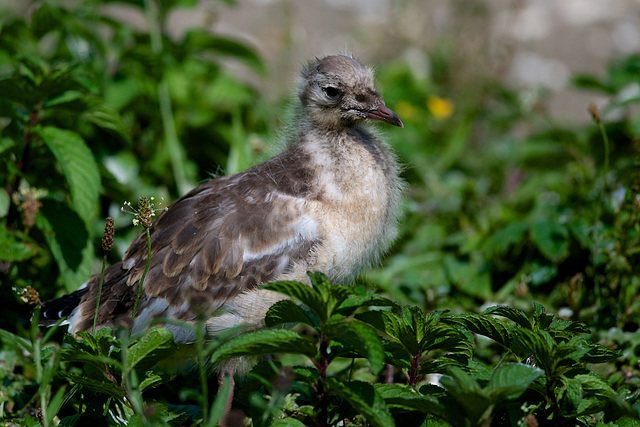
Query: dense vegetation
{"points": [[509, 211]]}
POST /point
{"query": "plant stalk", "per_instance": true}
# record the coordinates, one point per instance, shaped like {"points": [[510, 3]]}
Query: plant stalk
{"points": [[95, 314], [144, 273]]}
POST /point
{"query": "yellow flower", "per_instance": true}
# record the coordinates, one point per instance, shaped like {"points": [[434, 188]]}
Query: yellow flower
{"points": [[441, 108]]}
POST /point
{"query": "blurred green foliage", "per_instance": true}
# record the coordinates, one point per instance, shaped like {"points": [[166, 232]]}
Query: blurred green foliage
{"points": [[95, 112], [506, 205]]}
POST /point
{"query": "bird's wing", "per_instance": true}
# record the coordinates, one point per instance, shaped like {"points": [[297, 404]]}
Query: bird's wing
{"points": [[223, 238]]}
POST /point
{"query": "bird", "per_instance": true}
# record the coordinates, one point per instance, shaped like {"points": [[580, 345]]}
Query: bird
{"points": [[329, 202]]}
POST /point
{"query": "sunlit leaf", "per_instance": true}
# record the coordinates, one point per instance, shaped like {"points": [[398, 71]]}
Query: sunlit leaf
{"points": [[78, 166], [483, 325], [510, 313], [510, 380]]}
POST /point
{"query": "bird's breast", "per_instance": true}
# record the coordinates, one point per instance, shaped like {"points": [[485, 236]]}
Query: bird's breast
{"points": [[357, 207]]}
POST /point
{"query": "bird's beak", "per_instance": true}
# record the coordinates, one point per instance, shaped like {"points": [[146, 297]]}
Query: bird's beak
{"points": [[384, 114]]}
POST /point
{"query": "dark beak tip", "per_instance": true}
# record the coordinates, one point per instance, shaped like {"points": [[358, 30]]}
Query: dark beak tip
{"points": [[384, 114]]}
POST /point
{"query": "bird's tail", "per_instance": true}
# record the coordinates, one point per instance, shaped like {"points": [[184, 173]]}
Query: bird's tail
{"points": [[62, 307]]}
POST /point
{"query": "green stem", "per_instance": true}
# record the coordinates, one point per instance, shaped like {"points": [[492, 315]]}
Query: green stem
{"points": [[600, 204], [176, 155], [95, 314], [144, 273], [202, 371]]}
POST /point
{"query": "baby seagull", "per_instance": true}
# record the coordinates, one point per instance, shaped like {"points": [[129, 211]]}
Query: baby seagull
{"points": [[328, 203]]}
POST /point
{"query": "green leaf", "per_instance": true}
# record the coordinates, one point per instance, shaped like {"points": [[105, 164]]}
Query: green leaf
{"points": [[355, 302], [11, 249], [503, 239], [105, 117], [156, 344], [468, 276], [466, 391], [67, 237], [360, 336], [569, 394], [551, 238], [407, 397], [364, 399], [510, 380], [540, 344], [78, 166], [510, 313], [200, 40], [483, 325], [152, 380], [600, 354], [587, 81], [264, 342], [303, 293], [541, 320], [337, 295], [320, 283], [287, 311], [15, 342], [287, 422], [100, 386], [592, 384]]}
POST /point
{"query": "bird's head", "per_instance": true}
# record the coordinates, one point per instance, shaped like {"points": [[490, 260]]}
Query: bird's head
{"points": [[337, 92]]}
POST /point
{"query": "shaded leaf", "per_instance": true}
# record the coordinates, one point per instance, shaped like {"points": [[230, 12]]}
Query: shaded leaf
{"points": [[105, 117], [287, 311], [503, 239], [264, 342], [362, 337], [303, 293], [551, 238], [466, 392], [152, 380], [156, 344], [407, 397], [67, 237], [287, 422], [364, 399], [12, 249], [100, 386]]}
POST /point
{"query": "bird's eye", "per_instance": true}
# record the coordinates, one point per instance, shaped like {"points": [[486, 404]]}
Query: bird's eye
{"points": [[331, 92]]}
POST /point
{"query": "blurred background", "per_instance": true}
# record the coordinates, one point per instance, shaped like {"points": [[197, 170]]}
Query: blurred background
{"points": [[536, 45]]}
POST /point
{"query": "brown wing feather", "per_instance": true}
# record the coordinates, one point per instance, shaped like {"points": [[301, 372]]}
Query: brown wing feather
{"points": [[225, 237]]}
